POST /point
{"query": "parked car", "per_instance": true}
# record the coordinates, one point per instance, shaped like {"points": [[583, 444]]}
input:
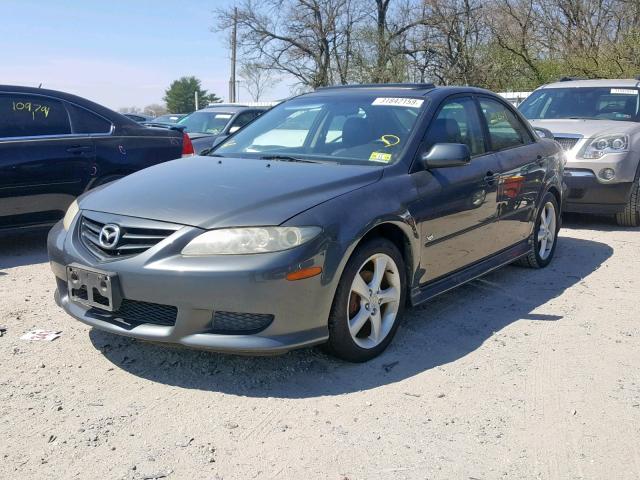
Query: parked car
{"points": [[213, 123], [169, 118], [265, 247], [55, 146], [597, 122], [139, 117]]}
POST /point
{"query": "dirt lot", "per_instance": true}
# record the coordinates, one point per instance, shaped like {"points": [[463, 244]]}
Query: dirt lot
{"points": [[521, 374]]}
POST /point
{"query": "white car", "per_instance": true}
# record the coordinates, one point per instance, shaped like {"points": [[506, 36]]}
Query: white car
{"points": [[597, 122]]}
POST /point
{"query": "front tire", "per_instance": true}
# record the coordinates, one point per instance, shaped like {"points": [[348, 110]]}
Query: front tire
{"points": [[369, 302], [630, 217], [544, 238]]}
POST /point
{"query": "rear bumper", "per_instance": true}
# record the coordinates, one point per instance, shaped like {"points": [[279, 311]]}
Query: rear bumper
{"points": [[200, 287], [587, 195]]}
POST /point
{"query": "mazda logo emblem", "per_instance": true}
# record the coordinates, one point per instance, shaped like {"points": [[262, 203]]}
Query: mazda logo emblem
{"points": [[109, 236]]}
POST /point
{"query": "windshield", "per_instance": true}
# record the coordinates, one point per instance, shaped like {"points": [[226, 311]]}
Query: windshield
{"points": [[205, 122], [585, 103], [358, 128], [168, 118]]}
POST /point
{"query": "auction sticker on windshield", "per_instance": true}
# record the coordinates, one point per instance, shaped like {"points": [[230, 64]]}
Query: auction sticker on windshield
{"points": [[623, 91], [398, 102]]}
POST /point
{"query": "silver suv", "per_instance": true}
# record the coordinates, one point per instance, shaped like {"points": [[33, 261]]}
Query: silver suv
{"points": [[597, 123]]}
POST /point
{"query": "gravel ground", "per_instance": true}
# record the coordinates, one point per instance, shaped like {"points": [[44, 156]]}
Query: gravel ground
{"points": [[521, 374]]}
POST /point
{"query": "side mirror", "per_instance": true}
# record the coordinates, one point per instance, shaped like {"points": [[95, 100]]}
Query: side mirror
{"points": [[543, 132], [234, 129], [444, 155]]}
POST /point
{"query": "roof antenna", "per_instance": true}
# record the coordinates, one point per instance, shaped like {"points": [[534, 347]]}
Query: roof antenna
{"points": [[40, 86]]}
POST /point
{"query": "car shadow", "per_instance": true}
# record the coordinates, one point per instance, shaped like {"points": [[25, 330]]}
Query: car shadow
{"points": [[602, 223], [24, 248], [436, 333]]}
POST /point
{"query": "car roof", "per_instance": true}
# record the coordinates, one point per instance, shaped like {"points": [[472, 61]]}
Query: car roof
{"points": [[96, 107], [399, 90], [607, 83], [229, 108]]}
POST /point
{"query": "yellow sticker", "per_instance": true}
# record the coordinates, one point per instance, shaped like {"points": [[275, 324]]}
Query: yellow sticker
{"points": [[380, 157]]}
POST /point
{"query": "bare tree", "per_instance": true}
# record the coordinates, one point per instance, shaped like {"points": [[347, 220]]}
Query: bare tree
{"points": [[258, 79], [290, 36]]}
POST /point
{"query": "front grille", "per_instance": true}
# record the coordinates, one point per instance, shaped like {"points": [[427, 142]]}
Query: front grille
{"points": [[567, 143], [133, 240], [240, 323], [133, 313]]}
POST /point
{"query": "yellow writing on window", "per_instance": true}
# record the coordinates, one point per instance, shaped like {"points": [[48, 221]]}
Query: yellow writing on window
{"points": [[32, 108]]}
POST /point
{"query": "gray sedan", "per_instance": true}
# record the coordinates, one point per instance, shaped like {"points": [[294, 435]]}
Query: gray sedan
{"points": [[315, 224]]}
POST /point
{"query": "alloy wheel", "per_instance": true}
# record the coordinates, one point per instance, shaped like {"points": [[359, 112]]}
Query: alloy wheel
{"points": [[374, 301], [547, 230]]}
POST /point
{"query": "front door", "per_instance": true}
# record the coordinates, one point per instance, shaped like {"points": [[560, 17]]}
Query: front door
{"points": [[521, 174], [43, 166], [457, 207]]}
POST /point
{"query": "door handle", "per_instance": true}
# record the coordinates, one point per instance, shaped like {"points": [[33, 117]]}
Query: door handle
{"points": [[490, 178], [80, 149]]}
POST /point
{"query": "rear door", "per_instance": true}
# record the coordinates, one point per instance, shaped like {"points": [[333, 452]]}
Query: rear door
{"points": [[521, 171], [43, 165], [457, 206]]}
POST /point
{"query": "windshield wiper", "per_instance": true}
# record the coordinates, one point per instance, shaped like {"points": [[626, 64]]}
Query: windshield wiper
{"points": [[287, 158]]}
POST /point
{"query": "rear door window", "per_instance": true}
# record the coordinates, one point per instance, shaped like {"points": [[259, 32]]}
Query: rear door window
{"points": [[505, 129], [32, 115], [84, 121]]}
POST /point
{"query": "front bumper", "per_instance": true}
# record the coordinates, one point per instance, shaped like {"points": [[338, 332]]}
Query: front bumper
{"points": [[198, 287], [589, 195]]}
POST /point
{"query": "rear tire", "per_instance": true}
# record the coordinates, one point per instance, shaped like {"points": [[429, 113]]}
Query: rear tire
{"points": [[369, 302], [545, 230], [630, 217]]}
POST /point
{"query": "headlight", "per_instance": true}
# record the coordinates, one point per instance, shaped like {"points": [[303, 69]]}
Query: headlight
{"points": [[237, 241], [606, 144], [72, 211]]}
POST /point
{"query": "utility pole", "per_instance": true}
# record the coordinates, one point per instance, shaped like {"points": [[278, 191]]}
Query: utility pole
{"points": [[196, 99], [232, 80]]}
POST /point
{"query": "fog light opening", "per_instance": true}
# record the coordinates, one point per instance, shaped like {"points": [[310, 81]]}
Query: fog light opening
{"points": [[607, 174], [304, 273]]}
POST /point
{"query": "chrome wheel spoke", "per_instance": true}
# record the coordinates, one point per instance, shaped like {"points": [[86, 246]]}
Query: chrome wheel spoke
{"points": [[376, 326], [543, 247], [360, 287], [379, 269], [357, 322], [391, 294]]}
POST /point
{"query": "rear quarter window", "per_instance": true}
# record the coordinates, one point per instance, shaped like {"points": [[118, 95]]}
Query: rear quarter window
{"points": [[32, 115], [84, 121]]}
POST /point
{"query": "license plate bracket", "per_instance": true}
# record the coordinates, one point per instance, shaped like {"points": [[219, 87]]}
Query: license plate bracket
{"points": [[93, 287]]}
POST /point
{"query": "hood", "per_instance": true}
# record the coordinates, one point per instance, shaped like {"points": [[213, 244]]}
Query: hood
{"points": [[585, 128], [210, 192]]}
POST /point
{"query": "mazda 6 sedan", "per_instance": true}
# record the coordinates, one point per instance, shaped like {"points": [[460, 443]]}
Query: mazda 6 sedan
{"points": [[317, 223]]}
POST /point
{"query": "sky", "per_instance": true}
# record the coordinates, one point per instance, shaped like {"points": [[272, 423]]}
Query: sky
{"points": [[118, 53]]}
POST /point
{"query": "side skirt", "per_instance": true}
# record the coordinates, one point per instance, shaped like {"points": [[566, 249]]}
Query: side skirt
{"points": [[464, 275]]}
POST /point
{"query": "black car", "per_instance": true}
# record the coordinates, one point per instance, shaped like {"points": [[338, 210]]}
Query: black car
{"points": [[316, 223], [55, 146], [214, 123]]}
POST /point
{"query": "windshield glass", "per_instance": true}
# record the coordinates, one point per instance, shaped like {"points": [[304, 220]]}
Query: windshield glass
{"points": [[205, 122], [354, 128], [585, 103]]}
